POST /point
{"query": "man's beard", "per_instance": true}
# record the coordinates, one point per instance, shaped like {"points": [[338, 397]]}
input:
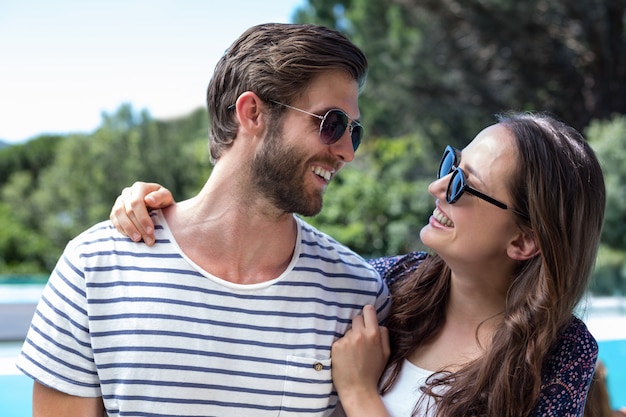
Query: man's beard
{"points": [[278, 174]]}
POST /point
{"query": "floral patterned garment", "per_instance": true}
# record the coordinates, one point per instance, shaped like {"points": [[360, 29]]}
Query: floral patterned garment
{"points": [[568, 369]]}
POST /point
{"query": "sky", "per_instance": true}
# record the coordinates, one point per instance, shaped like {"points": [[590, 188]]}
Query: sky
{"points": [[65, 62]]}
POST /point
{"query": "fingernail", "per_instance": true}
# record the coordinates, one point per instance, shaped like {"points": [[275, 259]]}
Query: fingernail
{"points": [[136, 237]]}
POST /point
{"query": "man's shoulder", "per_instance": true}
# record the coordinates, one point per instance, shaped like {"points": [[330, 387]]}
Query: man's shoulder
{"points": [[96, 233], [315, 243], [103, 237], [317, 238]]}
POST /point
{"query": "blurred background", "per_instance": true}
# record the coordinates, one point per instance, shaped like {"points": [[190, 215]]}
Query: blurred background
{"points": [[96, 95]]}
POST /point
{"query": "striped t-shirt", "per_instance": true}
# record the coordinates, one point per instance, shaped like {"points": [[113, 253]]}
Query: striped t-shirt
{"points": [[155, 335]]}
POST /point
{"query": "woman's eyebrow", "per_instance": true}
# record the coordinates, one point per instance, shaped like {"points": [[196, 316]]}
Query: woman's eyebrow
{"points": [[473, 174]]}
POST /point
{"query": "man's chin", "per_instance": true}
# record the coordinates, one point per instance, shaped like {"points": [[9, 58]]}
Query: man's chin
{"points": [[311, 209]]}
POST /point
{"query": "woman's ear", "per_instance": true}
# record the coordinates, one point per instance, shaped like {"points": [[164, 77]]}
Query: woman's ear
{"points": [[249, 108], [524, 246]]}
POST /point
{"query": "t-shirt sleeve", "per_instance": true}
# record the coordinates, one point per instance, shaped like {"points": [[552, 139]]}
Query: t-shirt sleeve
{"points": [[57, 350]]}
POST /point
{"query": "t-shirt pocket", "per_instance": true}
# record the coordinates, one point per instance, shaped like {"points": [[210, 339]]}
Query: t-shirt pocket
{"points": [[308, 388]]}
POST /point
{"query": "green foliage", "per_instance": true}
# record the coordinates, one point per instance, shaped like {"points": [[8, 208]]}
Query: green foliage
{"points": [[610, 273], [21, 249], [444, 67], [378, 204], [63, 185], [32, 156], [608, 139], [439, 70]]}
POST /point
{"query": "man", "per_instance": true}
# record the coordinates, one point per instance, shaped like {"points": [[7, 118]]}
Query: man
{"points": [[233, 310]]}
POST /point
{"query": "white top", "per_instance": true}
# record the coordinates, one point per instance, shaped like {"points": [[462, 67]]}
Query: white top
{"points": [[155, 335], [401, 399]]}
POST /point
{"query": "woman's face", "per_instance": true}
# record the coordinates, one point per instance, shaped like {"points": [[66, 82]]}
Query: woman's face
{"points": [[473, 233]]}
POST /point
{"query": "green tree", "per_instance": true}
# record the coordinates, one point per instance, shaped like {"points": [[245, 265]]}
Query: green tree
{"points": [[91, 170], [378, 204], [446, 66], [57, 187], [33, 156], [22, 250], [608, 139]]}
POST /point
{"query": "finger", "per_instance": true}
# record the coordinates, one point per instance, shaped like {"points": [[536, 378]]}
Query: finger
{"points": [[358, 323], [122, 222], [137, 210], [142, 197], [370, 320], [159, 198], [386, 348]]}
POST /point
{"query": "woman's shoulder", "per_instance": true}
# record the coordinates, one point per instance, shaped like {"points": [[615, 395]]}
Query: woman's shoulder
{"points": [[393, 268], [575, 346], [568, 369], [577, 337], [567, 372]]}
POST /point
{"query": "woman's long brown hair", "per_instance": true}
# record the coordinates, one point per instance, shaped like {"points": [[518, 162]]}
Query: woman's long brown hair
{"points": [[559, 184]]}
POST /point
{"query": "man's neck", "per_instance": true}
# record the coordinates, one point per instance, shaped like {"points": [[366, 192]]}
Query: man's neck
{"points": [[236, 238]]}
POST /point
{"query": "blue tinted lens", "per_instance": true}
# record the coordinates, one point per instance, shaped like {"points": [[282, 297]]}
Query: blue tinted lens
{"points": [[446, 165], [455, 187]]}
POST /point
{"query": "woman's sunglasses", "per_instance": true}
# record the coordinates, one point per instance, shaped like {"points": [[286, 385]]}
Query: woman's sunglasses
{"points": [[457, 185], [333, 125]]}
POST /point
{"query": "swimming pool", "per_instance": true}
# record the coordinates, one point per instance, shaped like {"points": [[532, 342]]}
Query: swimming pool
{"points": [[613, 354], [15, 388]]}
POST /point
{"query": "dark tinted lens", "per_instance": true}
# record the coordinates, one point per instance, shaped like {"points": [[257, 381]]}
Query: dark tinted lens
{"points": [[356, 135], [447, 162], [333, 126], [455, 187]]}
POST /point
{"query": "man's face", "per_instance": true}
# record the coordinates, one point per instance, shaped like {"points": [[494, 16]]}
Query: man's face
{"points": [[293, 167]]}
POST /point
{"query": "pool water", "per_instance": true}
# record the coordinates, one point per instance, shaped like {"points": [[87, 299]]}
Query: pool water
{"points": [[613, 354], [15, 388], [15, 396]]}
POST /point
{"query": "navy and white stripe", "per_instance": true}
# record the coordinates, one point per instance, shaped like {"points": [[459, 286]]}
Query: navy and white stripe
{"points": [[155, 335]]}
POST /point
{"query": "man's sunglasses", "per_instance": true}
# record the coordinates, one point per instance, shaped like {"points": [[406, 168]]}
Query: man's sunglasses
{"points": [[457, 185], [333, 125]]}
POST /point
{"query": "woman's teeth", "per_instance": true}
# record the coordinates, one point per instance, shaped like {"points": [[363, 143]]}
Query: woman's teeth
{"points": [[441, 218]]}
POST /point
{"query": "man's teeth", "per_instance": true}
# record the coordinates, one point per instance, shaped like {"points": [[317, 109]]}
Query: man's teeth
{"points": [[441, 218], [322, 173]]}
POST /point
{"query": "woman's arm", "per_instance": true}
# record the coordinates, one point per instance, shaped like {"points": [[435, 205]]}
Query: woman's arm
{"points": [[358, 360], [568, 373], [130, 214]]}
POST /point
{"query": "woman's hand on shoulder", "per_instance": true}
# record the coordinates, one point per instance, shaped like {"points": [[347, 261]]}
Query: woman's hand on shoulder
{"points": [[358, 361], [130, 214]]}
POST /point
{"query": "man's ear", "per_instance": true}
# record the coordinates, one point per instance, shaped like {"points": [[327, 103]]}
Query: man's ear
{"points": [[523, 247], [249, 108]]}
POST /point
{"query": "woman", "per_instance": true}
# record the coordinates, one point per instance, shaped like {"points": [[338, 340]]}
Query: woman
{"points": [[484, 326]]}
